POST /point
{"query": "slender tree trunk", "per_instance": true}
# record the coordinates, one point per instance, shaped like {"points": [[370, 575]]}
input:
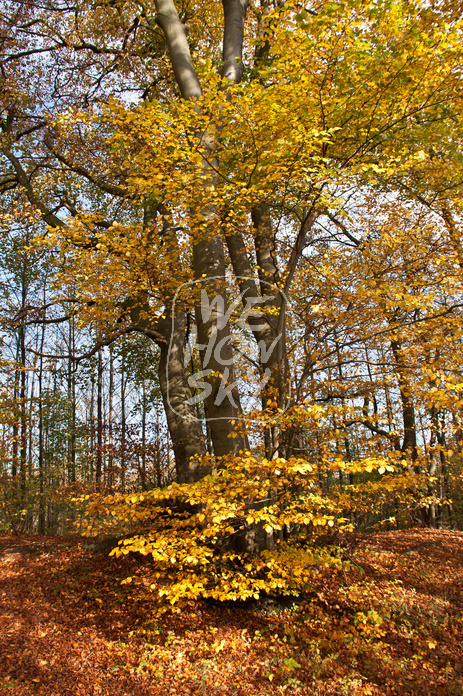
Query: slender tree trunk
{"points": [[23, 400], [16, 406], [72, 407], [123, 423], [99, 446], [158, 455], [31, 426], [143, 439], [41, 520], [110, 420], [438, 466], [408, 409], [92, 457], [351, 479]]}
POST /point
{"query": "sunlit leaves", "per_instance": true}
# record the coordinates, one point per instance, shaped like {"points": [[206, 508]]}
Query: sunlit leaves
{"points": [[192, 531]]}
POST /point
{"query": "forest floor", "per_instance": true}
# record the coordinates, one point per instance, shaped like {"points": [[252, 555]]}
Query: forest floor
{"points": [[391, 625]]}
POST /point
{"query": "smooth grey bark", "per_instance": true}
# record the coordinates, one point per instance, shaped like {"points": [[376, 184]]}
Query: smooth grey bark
{"points": [[99, 426], [265, 252], [168, 332], [270, 331], [234, 17], [222, 401], [72, 406], [123, 423], [179, 50], [184, 427], [439, 472], [111, 420], [438, 462], [273, 333], [41, 517], [265, 332]]}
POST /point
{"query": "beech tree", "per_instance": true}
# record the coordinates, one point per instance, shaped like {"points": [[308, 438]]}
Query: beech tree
{"points": [[270, 192], [166, 147]]}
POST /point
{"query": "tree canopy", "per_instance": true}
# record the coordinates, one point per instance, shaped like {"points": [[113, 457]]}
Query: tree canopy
{"points": [[270, 192]]}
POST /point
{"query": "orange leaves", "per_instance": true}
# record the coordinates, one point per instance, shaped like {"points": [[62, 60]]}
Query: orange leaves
{"points": [[393, 627]]}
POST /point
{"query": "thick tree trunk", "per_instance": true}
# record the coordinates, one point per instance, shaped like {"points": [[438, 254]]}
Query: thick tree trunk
{"points": [[168, 332], [222, 400], [269, 328], [214, 335], [184, 427]]}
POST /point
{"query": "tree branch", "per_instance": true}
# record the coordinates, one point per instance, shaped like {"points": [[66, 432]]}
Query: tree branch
{"points": [[167, 18], [234, 17]]}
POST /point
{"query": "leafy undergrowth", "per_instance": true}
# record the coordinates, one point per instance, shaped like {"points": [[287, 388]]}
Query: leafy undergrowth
{"points": [[392, 623]]}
